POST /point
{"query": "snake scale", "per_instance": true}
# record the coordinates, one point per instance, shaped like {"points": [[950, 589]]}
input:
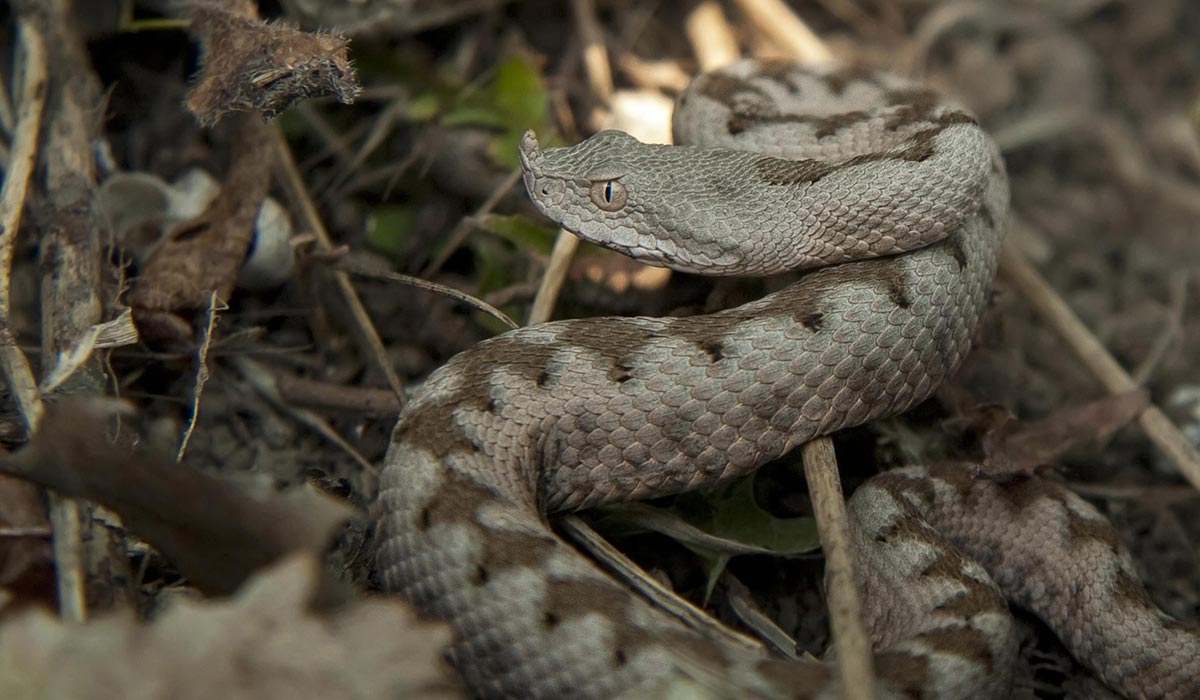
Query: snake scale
{"points": [[899, 199]]}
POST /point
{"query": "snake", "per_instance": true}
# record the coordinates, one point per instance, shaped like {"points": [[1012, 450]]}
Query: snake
{"points": [[888, 202]]}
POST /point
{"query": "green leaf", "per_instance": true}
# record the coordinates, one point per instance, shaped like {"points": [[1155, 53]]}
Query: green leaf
{"points": [[424, 107], [389, 227], [475, 115], [519, 93], [731, 513], [521, 231], [717, 525]]}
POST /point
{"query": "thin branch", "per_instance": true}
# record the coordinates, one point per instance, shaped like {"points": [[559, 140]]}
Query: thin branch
{"points": [[361, 326], [466, 224], [556, 273], [852, 650], [710, 34], [1092, 353], [432, 287], [776, 21], [851, 647], [33, 89]]}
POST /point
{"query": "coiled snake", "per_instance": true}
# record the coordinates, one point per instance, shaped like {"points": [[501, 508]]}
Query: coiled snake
{"points": [[900, 199]]}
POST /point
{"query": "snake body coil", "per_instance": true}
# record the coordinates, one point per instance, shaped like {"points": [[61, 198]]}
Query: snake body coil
{"points": [[900, 199]]}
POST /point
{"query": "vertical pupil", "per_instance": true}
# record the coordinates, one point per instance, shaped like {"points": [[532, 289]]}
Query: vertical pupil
{"points": [[608, 189]]}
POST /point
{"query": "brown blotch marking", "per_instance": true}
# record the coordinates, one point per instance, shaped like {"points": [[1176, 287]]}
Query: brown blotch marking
{"points": [[954, 246], [616, 340], [731, 91], [543, 378], [621, 371], [714, 349], [900, 485], [956, 116], [958, 475], [619, 658], [963, 642], [813, 322], [550, 620], [904, 673], [1133, 593], [918, 148], [781, 71], [1020, 491], [568, 598], [805, 679], [898, 293], [837, 81], [828, 126], [779, 171], [476, 366], [480, 576], [492, 406], [884, 534], [979, 598], [744, 118], [39, 90], [1080, 530], [419, 431], [920, 98], [913, 105], [920, 145], [747, 116], [693, 646], [747, 103], [607, 336], [518, 549], [460, 499], [889, 277], [454, 501], [987, 215], [424, 520]]}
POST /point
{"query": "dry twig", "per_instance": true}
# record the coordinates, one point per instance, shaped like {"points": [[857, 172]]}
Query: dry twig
{"points": [[1092, 353], [24, 154], [361, 327], [852, 651], [69, 258]]}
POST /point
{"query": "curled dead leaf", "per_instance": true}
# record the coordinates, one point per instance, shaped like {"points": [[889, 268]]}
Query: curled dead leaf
{"points": [[215, 531], [264, 644]]}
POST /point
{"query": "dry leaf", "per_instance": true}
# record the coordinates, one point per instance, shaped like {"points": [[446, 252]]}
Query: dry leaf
{"points": [[265, 644], [1020, 447], [203, 255], [215, 531], [249, 65]]}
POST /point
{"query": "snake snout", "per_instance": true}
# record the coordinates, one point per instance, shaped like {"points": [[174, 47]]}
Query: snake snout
{"points": [[531, 152]]}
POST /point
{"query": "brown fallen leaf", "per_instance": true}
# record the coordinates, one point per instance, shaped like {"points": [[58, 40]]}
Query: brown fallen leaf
{"points": [[264, 644], [1012, 447], [203, 255], [216, 532], [248, 65]]}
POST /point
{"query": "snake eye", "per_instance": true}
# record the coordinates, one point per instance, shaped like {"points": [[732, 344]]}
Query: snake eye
{"points": [[609, 195]]}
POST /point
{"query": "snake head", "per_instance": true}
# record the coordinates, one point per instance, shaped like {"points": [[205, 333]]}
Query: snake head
{"points": [[635, 198]]}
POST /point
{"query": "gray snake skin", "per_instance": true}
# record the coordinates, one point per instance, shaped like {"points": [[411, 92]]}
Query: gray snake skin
{"points": [[900, 199]]}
